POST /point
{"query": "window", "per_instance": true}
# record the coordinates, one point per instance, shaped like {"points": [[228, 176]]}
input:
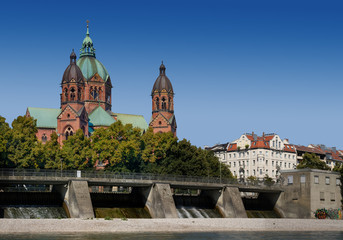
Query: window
{"points": [[316, 179], [253, 153], [322, 196], [332, 197], [273, 173], [157, 102], [254, 172], [234, 155], [260, 171], [234, 164], [44, 138], [266, 153], [327, 180], [302, 179], [253, 162], [164, 103], [279, 144], [293, 156], [272, 154], [290, 180], [234, 173], [338, 182], [285, 164], [267, 162], [68, 132], [260, 152], [272, 163], [273, 143], [247, 172], [230, 155], [289, 165]]}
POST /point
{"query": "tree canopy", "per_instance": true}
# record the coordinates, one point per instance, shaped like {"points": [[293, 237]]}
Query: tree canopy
{"points": [[311, 160], [118, 148]]}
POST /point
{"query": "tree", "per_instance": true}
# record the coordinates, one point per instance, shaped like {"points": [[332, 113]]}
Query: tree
{"points": [[76, 152], [311, 160], [119, 145], [4, 138], [52, 152], [22, 139]]}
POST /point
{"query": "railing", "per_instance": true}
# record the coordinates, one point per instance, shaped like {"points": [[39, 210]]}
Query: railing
{"points": [[48, 174]]}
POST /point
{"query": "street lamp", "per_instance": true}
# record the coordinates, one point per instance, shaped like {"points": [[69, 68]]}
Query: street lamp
{"points": [[61, 166]]}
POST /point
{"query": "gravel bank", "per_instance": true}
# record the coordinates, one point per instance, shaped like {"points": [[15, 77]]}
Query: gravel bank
{"points": [[165, 225]]}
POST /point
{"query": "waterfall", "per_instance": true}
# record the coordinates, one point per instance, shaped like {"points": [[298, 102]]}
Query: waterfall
{"points": [[192, 212], [34, 212]]}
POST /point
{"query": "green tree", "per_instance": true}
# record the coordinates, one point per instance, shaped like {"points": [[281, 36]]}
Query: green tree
{"points": [[182, 158], [119, 145], [52, 152], [22, 140], [4, 138], [311, 160], [76, 152]]}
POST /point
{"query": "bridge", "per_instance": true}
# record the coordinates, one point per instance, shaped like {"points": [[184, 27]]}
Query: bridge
{"points": [[154, 192], [103, 178]]}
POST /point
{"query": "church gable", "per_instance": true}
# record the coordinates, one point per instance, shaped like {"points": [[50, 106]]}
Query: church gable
{"points": [[159, 121], [68, 113], [96, 78]]}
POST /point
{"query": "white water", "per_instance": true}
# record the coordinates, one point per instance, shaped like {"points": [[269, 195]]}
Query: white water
{"points": [[192, 212], [34, 212]]}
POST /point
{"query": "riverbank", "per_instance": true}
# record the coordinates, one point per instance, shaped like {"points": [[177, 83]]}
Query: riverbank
{"points": [[164, 225]]}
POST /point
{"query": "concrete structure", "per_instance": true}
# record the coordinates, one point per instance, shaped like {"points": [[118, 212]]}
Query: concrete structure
{"points": [[306, 190]]}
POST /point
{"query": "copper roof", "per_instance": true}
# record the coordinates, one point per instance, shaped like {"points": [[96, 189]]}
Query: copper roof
{"points": [[72, 71], [162, 82]]}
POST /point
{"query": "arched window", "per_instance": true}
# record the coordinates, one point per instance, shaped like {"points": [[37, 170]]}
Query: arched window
{"points": [[72, 94], [79, 94], [157, 100], [169, 104], [44, 138], [164, 104], [68, 132], [66, 94], [94, 93]]}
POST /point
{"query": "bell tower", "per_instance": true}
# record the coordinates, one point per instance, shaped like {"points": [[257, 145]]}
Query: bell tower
{"points": [[162, 94]]}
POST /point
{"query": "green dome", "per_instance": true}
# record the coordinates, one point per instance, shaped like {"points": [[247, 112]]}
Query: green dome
{"points": [[90, 65]]}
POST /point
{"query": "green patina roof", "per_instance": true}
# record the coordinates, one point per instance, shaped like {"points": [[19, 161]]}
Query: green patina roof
{"points": [[90, 66], [135, 120], [46, 117], [99, 117]]}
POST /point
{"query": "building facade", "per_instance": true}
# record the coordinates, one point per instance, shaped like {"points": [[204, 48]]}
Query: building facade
{"points": [[257, 156]]}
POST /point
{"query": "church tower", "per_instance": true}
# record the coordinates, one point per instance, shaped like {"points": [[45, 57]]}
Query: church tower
{"points": [[163, 118], [98, 84]]}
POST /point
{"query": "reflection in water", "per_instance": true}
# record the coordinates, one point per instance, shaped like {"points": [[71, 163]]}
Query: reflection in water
{"points": [[182, 236]]}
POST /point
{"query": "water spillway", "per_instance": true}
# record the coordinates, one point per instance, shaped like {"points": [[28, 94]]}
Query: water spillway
{"points": [[261, 205], [128, 204], [196, 205], [30, 204]]}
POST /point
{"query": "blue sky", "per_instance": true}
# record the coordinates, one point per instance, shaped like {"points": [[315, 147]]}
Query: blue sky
{"points": [[236, 66]]}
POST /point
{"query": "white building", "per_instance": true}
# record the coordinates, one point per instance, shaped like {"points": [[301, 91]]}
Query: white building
{"points": [[258, 156]]}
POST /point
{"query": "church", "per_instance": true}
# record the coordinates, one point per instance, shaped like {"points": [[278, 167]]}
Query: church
{"points": [[86, 97]]}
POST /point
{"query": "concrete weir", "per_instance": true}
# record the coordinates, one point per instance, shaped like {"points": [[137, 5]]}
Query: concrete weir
{"points": [[77, 199]]}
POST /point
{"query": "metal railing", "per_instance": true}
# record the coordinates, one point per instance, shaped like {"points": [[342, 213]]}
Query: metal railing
{"points": [[50, 174]]}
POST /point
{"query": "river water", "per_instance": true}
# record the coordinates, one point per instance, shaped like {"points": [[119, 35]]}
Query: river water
{"points": [[183, 236]]}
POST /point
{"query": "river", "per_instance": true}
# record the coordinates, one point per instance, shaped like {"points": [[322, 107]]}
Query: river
{"points": [[182, 236]]}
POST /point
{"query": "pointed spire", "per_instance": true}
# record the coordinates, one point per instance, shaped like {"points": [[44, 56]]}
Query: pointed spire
{"points": [[72, 57], [162, 69], [87, 45]]}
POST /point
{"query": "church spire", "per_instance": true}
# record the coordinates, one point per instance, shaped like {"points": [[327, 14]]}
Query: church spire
{"points": [[87, 45]]}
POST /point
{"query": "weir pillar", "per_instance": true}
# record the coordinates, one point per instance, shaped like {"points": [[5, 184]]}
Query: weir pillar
{"points": [[159, 201], [76, 198]]}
